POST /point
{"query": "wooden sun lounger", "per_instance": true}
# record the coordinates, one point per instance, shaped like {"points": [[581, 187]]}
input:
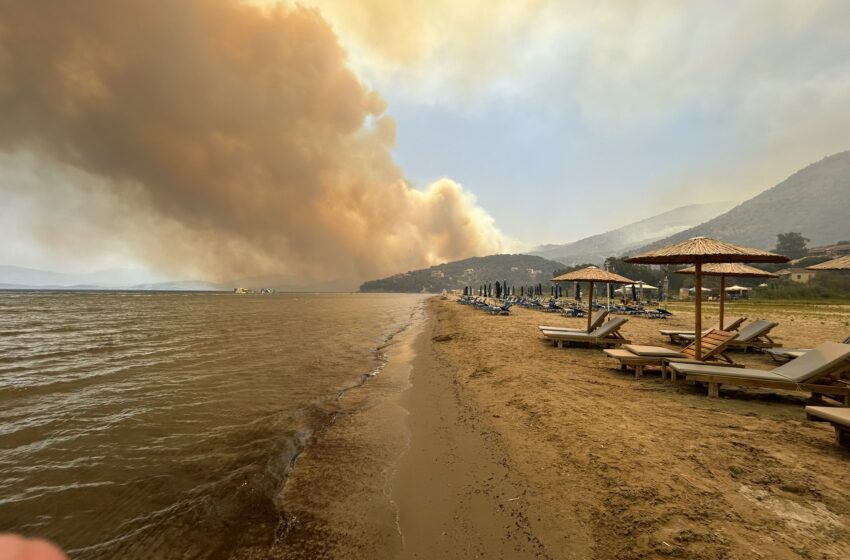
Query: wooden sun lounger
{"points": [[714, 343], [607, 334], [732, 324], [755, 335], [595, 321], [838, 417], [817, 371]]}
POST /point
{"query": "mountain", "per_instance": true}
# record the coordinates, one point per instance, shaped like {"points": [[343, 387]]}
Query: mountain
{"points": [[516, 270], [17, 278], [814, 201], [597, 248]]}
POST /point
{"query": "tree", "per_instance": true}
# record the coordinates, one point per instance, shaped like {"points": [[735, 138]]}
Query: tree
{"points": [[791, 244]]}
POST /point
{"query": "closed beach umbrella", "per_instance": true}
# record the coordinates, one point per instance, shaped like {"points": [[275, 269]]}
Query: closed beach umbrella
{"points": [[634, 293], [723, 270], [590, 275], [699, 251], [841, 263]]}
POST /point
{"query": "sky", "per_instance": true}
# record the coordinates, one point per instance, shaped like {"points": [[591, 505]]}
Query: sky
{"points": [[455, 128]]}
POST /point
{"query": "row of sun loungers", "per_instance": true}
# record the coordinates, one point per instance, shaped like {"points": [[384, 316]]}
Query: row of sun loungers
{"points": [[818, 370], [484, 305]]}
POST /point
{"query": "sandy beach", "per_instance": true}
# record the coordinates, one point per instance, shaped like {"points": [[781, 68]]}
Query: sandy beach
{"points": [[519, 449]]}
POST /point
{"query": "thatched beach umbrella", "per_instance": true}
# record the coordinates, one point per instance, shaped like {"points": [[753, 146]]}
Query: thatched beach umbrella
{"points": [[722, 270], [699, 251], [841, 263], [590, 275]]}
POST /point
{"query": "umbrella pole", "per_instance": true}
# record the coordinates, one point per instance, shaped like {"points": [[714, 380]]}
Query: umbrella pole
{"points": [[698, 310], [589, 304], [722, 300]]}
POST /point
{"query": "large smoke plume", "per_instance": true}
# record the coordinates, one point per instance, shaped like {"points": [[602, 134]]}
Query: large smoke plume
{"points": [[240, 130]]}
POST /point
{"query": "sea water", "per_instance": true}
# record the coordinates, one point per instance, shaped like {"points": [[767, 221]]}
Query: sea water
{"points": [[165, 425]]}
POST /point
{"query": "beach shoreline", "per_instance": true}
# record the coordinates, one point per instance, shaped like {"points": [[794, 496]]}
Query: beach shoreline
{"points": [[480, 439], [459, 495]]}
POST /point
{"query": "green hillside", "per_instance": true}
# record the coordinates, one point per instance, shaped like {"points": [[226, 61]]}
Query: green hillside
{"points": [[516, 270]]}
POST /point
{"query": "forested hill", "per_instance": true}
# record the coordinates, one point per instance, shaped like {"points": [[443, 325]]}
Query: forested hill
{"points": [[516, 270], [814, 201]]}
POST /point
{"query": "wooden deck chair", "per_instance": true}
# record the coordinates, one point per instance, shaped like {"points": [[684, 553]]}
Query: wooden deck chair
{"points": [[838, 417], [595, 321], [605, 335], [818, 371], [714, 343], [732, 324], [755, 335]]}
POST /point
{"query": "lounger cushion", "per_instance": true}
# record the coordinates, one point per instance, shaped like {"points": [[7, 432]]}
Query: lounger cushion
{"points": [[652, 351], [622, 355], [814, 362], [560, 329], [701, 369], [609, 327], [835, 415], [754, 330]]}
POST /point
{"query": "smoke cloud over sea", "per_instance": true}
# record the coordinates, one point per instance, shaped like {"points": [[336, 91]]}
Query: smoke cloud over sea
{"points": [[221, 139]]}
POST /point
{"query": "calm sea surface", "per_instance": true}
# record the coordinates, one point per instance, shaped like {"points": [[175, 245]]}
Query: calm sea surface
{"points": [[162, 424]]}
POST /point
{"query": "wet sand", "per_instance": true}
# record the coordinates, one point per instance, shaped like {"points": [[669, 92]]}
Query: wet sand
{"points": [[520, 450], [459, 494]]}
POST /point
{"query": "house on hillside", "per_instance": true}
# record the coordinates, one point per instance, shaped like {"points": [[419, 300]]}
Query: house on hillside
{"points": [[800, 275]]}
